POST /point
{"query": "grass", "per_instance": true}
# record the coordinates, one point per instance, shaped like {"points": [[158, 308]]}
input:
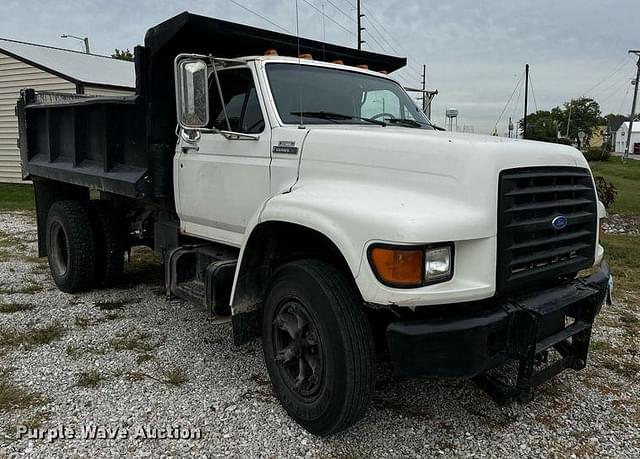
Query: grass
{"points": [[31, 337], [16, 197], [29, 289], [137, 342], [174, 376], [626, 178], [10, 308], [622, 252], [90, 378], [14, 396], [82, 322]]}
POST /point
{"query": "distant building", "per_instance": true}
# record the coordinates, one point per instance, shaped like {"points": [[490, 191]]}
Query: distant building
{"points": [[44, 68], [613, 125], [621, 137]]}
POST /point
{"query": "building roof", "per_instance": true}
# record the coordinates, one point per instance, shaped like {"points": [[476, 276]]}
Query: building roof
{"points": [[615, 122], [72, 65], [636, 126]]}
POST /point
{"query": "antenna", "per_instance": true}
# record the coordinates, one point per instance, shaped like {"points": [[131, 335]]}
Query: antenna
{"points": [[299, 64]]}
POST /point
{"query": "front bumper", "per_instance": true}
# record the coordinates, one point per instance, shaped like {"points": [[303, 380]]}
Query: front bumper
{"points": [[520, 329]]}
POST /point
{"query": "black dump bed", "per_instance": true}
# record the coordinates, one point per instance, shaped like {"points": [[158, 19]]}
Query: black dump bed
{"points": [[124, 145]]}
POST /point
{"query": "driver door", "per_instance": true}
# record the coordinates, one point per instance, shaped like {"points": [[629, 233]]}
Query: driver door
{"points": [[222, 183]]}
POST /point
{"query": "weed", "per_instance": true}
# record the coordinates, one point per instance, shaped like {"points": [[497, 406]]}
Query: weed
{"points": [[28, 289], [175, 376], [90, 378], [31, 337], [10, 308], [82, 321], [143, 358], [137, 342], [14, 396]]}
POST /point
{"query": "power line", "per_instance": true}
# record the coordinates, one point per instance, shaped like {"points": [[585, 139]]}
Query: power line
{"points": [[624, 98], [533, 93], [613, 72], [371, 16], [329, 18], [382, 36], [341, 10], [616, 90], [516, 106], [509, 100], [616, 84], [260, 16], [372, 22]]}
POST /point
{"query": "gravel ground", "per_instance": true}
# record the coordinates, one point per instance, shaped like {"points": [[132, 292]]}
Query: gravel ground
{"points": [[127, 358]]}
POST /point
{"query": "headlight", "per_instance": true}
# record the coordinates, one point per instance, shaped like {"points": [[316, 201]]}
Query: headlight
{"points": [[411, 266], [437, 264]]}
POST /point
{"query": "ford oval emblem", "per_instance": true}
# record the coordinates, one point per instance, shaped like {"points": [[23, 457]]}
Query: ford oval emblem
{"points": [[559, 222]]}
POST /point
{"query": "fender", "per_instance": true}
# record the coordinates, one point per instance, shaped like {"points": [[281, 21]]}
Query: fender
{"points": [[344, 213]]}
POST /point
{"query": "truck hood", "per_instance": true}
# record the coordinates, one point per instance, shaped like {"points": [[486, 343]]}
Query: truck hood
{"points": [[431, 151], [418, 175]]}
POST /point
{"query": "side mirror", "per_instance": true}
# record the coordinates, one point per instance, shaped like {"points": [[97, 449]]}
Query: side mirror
{"points": [[192, 91]]}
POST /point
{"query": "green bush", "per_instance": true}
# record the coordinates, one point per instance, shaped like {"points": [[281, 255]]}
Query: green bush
{"points": [[597, 154], [606, 190]]}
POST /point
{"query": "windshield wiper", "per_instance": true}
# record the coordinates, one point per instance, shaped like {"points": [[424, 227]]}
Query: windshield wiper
{"points": [[405, 122], [337, 116]]}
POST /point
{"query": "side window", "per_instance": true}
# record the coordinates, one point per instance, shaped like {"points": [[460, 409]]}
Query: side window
{"points": [[379, 102], [383, 101], [240, 102]]}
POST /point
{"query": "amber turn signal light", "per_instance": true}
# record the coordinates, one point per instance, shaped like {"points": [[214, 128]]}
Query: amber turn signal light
{"points": [[398, 266]]}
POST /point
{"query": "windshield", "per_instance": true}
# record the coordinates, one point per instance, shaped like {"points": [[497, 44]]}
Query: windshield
{"points": [[321, 95]]}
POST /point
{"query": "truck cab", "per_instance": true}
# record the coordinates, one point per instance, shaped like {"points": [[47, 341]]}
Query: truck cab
{"points": [[312, 203]]}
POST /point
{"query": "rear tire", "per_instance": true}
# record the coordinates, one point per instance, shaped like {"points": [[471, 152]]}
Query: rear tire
{"points": [[109, 233], [70, 246], [318, 346]]}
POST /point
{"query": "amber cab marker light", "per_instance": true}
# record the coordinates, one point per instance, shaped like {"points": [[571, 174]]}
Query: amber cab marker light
{"points": [[271, 52], [397, 266], [363, 66], [338, 61], [305, 56]]}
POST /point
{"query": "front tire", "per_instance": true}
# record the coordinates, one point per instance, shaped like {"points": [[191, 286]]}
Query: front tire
{"points": [[318, 346], [70, 246]]}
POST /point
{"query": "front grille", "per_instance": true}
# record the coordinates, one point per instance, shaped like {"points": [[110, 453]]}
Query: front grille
{"points": [[530, 249]]}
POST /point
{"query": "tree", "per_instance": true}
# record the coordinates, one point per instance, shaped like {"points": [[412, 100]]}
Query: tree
{"points": [[582, 114], [541, 126], [123, 54]]}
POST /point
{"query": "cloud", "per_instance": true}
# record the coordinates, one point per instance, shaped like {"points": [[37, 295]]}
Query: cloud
{"points": [[475, 51]]}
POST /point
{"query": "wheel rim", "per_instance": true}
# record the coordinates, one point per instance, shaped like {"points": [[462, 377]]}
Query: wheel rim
{"points": [[298, 348], [59, 249]]}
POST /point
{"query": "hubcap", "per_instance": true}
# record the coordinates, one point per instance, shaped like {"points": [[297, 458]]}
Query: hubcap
{"points": [[297, 347], [58, 255]]}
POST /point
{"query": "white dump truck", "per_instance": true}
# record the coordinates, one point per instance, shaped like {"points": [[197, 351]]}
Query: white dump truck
{"points": [[293, 186]]}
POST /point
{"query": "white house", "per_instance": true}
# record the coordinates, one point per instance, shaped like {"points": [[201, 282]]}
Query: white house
{"points": [[622, 134], [44, 68]]}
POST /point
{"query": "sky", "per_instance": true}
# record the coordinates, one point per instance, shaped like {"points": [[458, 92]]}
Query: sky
{"points": [[475, 51]]}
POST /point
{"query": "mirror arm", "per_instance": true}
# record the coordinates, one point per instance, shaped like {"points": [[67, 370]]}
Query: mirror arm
{"points": [[224, 108]]}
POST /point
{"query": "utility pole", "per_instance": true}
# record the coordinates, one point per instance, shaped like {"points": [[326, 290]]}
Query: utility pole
{"points": [[424, 88], [633, 105], [526, 100], [360, 28]]}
